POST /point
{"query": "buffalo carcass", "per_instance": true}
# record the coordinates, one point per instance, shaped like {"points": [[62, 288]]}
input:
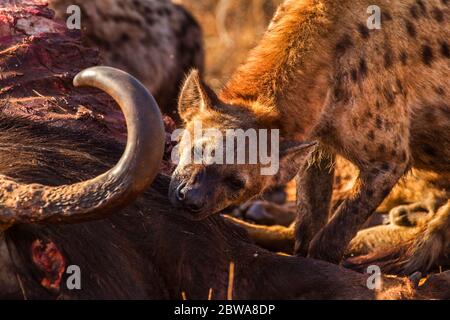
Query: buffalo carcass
{"points": [[54, 134]]}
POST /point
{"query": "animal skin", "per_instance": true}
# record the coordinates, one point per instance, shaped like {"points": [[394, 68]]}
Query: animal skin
{"points": [[378, 98], [146, 250], [156, 41]]}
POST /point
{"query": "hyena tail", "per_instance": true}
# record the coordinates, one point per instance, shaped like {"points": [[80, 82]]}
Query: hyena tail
{"points": [[432, 244]]}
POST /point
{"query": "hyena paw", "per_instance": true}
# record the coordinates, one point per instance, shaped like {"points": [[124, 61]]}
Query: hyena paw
{"points": [[408, 215], [400, 216]]}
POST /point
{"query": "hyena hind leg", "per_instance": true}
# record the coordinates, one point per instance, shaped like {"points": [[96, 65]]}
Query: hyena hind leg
{"points": [[432, 244]]}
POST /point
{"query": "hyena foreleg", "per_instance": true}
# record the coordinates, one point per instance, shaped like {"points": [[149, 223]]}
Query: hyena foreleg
{"points": [[314, 192], [368, 192]]}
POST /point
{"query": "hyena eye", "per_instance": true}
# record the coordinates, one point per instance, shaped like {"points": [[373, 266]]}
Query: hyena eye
{"points": [[235, 183]]}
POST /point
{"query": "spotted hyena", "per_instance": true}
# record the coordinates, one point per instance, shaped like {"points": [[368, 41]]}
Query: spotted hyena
{"points": [[155, 40], [378, 97]]}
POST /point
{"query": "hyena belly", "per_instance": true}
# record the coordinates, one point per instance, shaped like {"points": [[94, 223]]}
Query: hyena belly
{"points": [[426, 83], [391, 97]]}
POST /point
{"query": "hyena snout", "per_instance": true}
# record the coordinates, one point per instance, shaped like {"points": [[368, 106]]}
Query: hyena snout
{"points": [[189, 198], [192, 199]]}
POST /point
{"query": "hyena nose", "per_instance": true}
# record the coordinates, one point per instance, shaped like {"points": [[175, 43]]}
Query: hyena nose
{"points": [[180, 192], [191, 199]]}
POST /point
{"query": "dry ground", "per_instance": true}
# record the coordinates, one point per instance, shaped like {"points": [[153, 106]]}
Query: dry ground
{"points": [[231, 28]]}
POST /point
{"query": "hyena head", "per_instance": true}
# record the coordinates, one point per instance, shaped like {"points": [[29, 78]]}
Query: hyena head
{"points": [[225, 155]]}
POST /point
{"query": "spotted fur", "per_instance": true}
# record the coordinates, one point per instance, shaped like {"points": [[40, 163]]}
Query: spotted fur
{"points": [[155, 40], [375, 97]]}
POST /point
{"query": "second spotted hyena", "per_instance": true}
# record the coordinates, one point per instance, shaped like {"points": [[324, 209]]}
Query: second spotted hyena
{"points": [[155, 40], [379, 98]]}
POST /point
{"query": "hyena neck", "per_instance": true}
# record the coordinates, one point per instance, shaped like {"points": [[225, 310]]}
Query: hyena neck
{"points": [[286, 77]]}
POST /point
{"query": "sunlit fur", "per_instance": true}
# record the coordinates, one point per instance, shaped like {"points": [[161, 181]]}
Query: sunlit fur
{"points": [[379, 98]]}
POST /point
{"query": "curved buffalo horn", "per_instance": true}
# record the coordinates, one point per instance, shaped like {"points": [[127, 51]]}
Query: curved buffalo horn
{"points": [[95, 198]]}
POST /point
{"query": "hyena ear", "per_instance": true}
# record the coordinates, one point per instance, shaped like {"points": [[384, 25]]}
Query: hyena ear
{"points": [[293, 155], [194, 97]]}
